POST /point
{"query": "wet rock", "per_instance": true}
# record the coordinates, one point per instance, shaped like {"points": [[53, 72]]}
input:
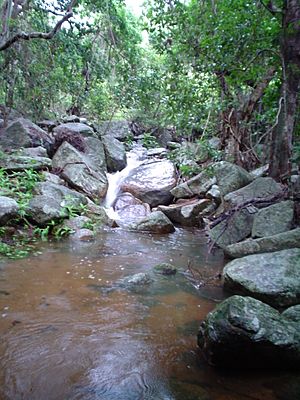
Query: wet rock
{"points": [[140, 279], [244, 332], [233, 229], [274, 219], [115, 154], [75, 127], [293, 313], [159, 152], [281, 241], [78, 170], [165, 269], [24, 133], [133, 212], [99, 214], [83, 235], [126, 199], [189, 213], [8, 209], [19, 163], [152, 182], [116, 129], [227, 176], [156, 222], [260, 188], [270, 277]]}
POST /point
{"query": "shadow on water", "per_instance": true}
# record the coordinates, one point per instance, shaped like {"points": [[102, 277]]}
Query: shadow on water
{"points": [[70, 330]]}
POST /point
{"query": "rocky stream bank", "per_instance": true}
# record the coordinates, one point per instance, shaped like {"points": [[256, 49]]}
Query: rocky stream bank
{"points": [[247, 214]]}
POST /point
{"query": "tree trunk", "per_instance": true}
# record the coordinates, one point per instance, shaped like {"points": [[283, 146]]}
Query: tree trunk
{"points": [[282, 137]]}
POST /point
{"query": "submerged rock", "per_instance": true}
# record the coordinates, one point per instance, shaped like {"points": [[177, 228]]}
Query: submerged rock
{"points": [[83, 235], [274, 219], [281, 241], [270, 277], [156, 222], [165, 269], [243, 332], [152, 182], [8, 209]]}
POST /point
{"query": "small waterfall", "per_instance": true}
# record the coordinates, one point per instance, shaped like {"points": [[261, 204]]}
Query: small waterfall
{"points": [[134, 159]]}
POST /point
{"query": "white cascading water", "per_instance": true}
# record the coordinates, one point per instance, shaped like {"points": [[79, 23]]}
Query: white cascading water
{"points": [[134, 159]]}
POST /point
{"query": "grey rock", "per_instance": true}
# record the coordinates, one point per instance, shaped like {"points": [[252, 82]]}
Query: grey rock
{"points": [[270, 277], [295, 186], [227, 176], [189, 213], [78, 170], [259, 172], [77, 223], [293, 313], [24, 133], [75, 127], [159, 152], [63, 195], [214, 193], [274, 219], [99, 215], [43, 209], [233, 229], [16, 162], [258, 189], [84, 235], [115, 154], [95, 153], [48, 176], [115, 129], [71, 118], [8, 209], [140, 279], [156, 222], [165, 269], [35, 152], [47, 125], [281, 241], [244, 332], [152, 182]]}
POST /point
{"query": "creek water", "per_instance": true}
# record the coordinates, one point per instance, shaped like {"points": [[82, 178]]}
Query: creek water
{"points": [[69, 330]]}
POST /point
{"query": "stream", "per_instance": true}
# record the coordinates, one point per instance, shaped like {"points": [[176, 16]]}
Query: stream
{"points": [[70, 331]]}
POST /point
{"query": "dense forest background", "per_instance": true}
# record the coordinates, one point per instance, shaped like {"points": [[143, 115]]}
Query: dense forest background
{"points": [[228, 69]]}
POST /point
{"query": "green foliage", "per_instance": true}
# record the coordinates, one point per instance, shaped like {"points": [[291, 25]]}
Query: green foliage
{"points": [[149, 141], [20, 249]]}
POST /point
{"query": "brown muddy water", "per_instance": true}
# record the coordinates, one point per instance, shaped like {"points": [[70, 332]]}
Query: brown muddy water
{"points": [[69, 331]]}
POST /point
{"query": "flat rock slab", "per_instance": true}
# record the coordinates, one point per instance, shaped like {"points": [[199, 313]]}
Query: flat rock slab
{"points": [[243, 332], [75, 127], [281, 241], [152, 182], [270, 277], [20, 163]]}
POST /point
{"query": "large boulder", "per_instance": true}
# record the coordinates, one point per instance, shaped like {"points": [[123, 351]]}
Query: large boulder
{"points": [[156, 222], [188, 213], [227, 176], [64, 195], [243, 332], [94, 151], [270, 277], [281, 241], [74, 127], [152, 182], [260, 188], [115, 129], [274, 219], [115, 154], [23, 133], [80, 172], [8, 209], [232, 229]]}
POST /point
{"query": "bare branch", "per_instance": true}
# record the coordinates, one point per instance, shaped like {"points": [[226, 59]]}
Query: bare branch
{"points": [[6, 43]]}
